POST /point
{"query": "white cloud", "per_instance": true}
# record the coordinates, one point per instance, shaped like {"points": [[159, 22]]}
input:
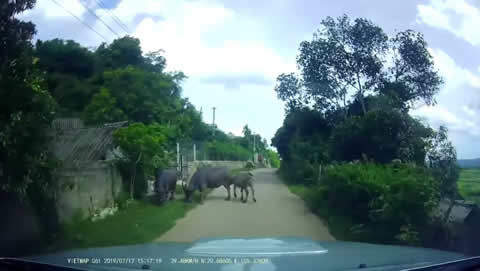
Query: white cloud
{"points": [[184, 33], [181, 38], [438, 115], [454, 75], [442, 13], [54, 11], [462, 87], [433, 17], [468, 110]]}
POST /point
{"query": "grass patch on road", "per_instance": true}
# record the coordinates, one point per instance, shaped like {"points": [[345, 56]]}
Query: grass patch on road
{"points": [[469, 184]]}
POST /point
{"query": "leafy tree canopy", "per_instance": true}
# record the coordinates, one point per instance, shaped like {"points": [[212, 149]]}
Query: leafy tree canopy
{"points": [[346, 57]]}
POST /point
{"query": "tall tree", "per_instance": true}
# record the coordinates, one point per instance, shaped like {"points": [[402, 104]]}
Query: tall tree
{"points": [[68, 68], [139, 95], [442, 159], [26, 108], [26, 111], [345, 57], [121, 53]]}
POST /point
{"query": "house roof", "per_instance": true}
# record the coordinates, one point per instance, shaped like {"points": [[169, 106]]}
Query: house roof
{"points": [[458, 213], [84, 144]]}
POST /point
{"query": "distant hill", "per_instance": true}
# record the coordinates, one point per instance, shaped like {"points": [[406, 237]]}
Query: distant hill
{"points": [[469, 163]]}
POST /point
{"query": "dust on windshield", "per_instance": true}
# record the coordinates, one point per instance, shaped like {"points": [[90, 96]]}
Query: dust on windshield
{"points": [[126, 123]]}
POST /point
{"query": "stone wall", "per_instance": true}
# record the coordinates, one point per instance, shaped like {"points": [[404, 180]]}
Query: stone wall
{"points": [[86, 187]]}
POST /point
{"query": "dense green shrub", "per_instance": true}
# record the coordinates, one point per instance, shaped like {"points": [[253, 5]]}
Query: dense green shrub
{"points": [[227, 151], [395, 201], [381, 136]]}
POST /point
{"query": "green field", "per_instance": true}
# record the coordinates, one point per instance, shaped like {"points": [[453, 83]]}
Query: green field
{"points": [[469, 184]]}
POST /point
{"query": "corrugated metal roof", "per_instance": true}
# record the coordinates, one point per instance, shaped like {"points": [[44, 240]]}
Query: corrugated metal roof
{"points": [[458, 213]]}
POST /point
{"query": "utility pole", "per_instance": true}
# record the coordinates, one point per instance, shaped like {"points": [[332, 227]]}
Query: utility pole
{"points": [[201, 113], [213, 125], [254, 157]]}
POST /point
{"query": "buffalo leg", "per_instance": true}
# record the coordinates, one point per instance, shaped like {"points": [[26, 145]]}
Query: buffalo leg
{"points": [[200, 189], [253, 193], [246, 195], [235, 191], [172, 197], [241, 193], [228, 191]]}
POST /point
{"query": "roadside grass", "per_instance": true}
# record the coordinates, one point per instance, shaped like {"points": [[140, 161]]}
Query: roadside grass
{"points": [[342, 227], [338, 226], [469, 184], [140, 222]]}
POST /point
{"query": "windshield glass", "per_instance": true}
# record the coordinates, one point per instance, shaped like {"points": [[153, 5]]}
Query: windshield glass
{"points": [[298, 124]]}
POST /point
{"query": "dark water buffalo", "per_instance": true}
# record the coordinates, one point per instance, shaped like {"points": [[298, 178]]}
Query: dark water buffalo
{"points": [[243, 180], [165, 183], [208, 177]]}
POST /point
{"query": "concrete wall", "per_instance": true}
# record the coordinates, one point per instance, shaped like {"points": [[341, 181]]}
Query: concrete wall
{"points": [[85, 187]]}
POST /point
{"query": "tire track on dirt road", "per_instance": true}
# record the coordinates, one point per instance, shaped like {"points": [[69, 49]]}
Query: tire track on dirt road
{"points": [[277, 213]]}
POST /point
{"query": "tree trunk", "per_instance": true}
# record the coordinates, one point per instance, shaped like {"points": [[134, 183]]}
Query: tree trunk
{"points": [[360, 94], [362, 102], [134, 174]]}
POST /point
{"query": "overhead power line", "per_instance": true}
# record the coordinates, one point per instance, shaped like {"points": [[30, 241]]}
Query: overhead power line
{"points": [[113, 16], [100, 19], [80, 20]]}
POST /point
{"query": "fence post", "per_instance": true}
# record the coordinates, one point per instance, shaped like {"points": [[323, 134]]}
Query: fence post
{"points": [[182, 163], [178, 157], [194, 152]]}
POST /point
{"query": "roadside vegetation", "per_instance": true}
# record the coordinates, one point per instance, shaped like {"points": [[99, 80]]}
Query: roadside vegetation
{"points": [[110, 83], [349, 146], [469, 184], [141, 222]]}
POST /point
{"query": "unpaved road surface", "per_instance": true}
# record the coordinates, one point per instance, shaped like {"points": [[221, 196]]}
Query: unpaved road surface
{"points": [[277, 213]]}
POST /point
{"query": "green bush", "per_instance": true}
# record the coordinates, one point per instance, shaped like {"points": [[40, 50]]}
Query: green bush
{"points": [[381, 136], [227, 151], [249, 165], [121, 199], [394, 202]]}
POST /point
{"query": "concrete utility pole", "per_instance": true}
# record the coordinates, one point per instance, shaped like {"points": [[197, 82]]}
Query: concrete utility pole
{"points": [[194, 152], [213, 124], [254, 156], [178, 157]]}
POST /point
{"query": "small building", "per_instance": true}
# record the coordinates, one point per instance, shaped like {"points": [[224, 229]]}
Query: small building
{"points": [[88, 179], [464, 220]]}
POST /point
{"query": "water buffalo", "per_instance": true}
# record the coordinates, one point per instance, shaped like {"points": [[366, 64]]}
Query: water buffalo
{"points": [[243, 180], [208, 177], [165, 183]]}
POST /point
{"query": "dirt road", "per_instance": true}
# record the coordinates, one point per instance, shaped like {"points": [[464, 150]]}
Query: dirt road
{"points": [[276, 213]]}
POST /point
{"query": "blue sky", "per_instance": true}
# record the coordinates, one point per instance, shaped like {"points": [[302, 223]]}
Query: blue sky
{"points": [[233, 50]]}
